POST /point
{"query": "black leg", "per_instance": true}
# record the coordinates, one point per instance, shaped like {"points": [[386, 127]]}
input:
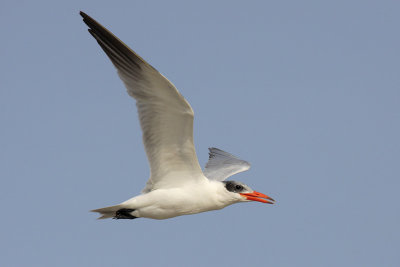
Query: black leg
{"points": [[124, 214]]}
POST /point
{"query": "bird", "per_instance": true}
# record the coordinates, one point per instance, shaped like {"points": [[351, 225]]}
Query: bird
{"points": [[177, 184]]}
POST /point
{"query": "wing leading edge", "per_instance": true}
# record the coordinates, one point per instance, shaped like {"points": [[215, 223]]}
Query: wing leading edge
{"points": [[166, 118]]}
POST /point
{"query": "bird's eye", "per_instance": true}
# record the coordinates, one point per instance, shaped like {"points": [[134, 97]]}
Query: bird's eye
{"points": [[239, 187]]}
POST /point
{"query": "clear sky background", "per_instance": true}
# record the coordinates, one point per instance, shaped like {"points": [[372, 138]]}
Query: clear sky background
{"points": [[307, 91]]}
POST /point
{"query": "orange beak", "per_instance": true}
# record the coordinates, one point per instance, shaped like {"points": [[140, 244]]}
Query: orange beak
{"points": [[256, 196]]}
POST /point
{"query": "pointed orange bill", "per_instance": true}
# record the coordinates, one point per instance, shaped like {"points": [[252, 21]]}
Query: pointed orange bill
{"points": [[257, 196]]}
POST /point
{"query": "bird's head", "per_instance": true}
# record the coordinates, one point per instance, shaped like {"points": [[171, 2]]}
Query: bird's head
{"points": [[243, 193]]}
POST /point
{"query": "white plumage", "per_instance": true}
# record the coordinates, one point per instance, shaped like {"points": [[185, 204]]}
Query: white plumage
{"points": [[177, 185]]}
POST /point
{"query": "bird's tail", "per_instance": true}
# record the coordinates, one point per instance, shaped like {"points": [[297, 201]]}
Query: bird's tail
{"points": [[108, 212]]}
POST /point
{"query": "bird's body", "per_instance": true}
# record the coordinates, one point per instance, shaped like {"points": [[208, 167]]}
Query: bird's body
{"points": [[177, 185], [167, 203]]}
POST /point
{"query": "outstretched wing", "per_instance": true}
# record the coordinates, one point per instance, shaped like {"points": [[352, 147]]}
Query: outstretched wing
{"points": [[222, 165], [165, 116]]}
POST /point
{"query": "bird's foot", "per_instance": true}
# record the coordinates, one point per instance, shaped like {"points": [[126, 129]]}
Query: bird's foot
{"points": [[124, 214]]}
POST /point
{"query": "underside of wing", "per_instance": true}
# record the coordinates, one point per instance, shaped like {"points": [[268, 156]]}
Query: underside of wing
{"points": [[222, 165], [165, 116]]}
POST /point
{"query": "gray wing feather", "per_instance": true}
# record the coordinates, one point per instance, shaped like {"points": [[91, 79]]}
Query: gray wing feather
{"points": [[222, 165], [165, 116]]}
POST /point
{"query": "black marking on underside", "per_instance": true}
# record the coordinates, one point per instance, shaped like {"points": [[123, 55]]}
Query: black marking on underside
{"points": [[124, 214]]}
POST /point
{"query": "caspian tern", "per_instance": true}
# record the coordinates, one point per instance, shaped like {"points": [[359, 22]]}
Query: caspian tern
{"points": [[177, 185]]}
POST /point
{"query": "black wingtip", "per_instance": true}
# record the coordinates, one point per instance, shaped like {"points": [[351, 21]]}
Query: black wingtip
{"points": [[87, 19]]}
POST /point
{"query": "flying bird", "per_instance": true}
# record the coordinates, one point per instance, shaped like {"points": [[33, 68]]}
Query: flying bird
{"points": [[177, 185]]}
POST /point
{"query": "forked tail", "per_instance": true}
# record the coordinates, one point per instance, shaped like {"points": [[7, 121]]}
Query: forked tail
{"points": [[115, 212]]}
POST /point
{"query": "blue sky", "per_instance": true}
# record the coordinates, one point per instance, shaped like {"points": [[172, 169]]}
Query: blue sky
{"points": [[307, 91]]}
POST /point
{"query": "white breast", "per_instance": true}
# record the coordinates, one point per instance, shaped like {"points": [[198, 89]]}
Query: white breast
{"points": [[167, 203]]}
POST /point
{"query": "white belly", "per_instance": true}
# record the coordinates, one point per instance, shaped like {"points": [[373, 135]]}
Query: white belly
{"points": [[168, 203]]}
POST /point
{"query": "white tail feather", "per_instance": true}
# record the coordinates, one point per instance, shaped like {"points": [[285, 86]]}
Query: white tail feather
{"points": [[108, 212]]}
